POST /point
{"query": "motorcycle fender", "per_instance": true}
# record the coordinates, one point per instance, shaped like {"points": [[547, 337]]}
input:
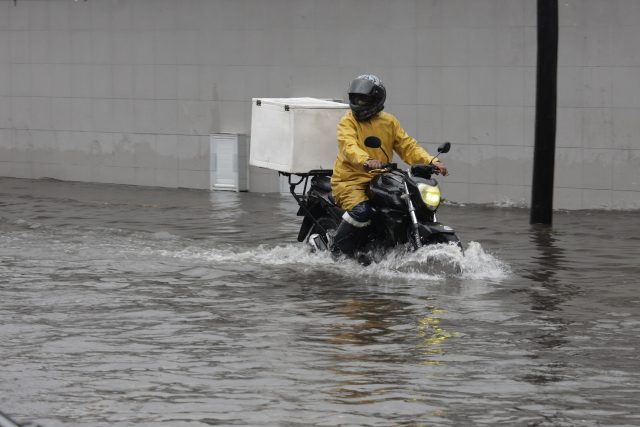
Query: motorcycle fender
{"points": [[304, 228], [435, 228], [315, 201], [316, 210]]}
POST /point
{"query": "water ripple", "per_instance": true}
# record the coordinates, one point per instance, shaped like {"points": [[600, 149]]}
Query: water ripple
{"points": [[124, 306]]}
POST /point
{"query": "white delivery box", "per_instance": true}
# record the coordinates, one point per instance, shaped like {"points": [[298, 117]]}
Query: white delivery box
{"points": [[294, 135]]}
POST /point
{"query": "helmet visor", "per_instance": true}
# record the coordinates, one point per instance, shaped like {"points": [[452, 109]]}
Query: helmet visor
{"points": [[359, 99]]}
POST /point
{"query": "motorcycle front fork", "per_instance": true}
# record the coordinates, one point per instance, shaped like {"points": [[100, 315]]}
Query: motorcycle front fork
{"points": [[415, 231]]}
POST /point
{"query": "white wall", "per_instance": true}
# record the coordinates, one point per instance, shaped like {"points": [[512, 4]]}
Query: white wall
{"points": [[598, 156], [127, 91]]}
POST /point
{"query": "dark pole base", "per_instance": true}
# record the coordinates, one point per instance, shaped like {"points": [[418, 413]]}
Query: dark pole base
{"points": [[545, 125]]}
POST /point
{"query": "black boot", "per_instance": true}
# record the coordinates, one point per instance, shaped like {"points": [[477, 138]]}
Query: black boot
{"points": [[347, 238]]}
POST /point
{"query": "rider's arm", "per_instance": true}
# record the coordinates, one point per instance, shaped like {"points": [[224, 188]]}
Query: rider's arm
{"points": [[407, 147], [348, 142]]}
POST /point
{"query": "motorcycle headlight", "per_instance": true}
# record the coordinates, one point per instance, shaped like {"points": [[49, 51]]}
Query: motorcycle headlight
{"points": [[430, 195]]}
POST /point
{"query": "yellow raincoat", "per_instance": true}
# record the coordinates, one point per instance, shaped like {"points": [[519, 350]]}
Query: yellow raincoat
{"points": [[350, 179]]}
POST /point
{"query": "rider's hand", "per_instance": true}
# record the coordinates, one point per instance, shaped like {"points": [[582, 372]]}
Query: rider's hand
{"points": [[373, 164], [441, 168]]}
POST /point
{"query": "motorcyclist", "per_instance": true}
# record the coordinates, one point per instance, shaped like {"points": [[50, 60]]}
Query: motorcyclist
{"points": [[356, 163]]}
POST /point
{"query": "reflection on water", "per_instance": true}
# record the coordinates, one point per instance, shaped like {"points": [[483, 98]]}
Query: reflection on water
{"points": [[124, 306], [550, 292], [547, 297], [432, 335]]}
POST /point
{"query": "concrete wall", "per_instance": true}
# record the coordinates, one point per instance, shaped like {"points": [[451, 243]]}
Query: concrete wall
{"points": [[598, 156], [127, 91]]}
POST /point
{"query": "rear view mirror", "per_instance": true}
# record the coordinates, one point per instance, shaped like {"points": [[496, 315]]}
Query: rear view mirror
{"points": [[444, 148], [372, 142]]}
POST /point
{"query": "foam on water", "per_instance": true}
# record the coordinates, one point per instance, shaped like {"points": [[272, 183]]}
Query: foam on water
{"points": [[429, 263]]}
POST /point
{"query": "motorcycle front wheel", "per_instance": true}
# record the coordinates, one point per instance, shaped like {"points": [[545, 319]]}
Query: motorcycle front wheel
{"points": [[442, 238]]}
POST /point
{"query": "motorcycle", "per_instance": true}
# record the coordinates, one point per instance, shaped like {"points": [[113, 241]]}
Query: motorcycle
{"points": [[404, 204]]}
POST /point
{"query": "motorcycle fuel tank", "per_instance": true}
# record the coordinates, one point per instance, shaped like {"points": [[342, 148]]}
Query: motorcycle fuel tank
{"points": [[386, 191]]}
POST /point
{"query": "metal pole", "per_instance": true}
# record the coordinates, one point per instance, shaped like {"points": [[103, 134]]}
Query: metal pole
{"points": [[545, 126]]}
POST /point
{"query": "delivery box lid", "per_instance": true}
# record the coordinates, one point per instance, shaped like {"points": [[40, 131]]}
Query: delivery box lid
{"points": [[296, 103]]}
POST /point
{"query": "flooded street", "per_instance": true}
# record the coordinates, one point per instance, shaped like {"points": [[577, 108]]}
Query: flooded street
{"points": [[126, 306]]}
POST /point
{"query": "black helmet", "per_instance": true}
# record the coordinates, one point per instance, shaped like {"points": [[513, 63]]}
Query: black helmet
{"points": [[366, 96]]}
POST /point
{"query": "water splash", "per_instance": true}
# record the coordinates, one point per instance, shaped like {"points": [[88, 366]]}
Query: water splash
{"points": [[429, 263], [478, 264]]}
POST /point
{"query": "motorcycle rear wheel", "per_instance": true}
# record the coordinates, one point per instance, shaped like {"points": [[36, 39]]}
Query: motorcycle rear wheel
{"points": [[326, 230]]}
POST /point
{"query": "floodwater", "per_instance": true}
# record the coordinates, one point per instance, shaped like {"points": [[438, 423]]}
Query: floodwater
{"points": [[125, 306]]}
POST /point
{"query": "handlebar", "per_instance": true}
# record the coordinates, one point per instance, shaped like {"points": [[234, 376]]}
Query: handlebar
{"points": [[386, 167], [416, 170], [425, 170]]}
